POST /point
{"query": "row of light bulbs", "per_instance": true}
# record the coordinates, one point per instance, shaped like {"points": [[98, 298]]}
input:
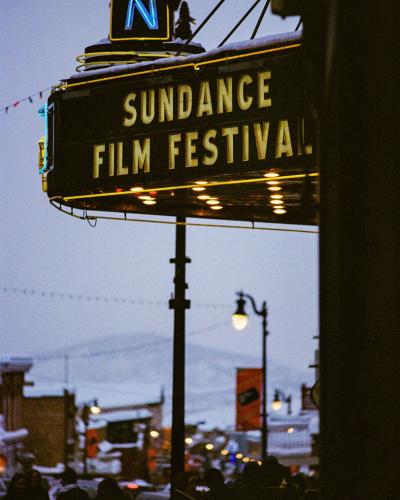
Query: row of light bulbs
{"points": [[209, 446], [212, 201], [276, 198]]}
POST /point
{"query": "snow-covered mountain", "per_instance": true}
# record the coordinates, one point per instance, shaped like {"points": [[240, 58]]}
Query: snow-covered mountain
{"points": [[123, 369]]}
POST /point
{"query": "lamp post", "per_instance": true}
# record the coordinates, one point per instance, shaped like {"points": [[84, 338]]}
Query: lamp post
{"points": [[88, 408], [240, 320], [280, 397]]}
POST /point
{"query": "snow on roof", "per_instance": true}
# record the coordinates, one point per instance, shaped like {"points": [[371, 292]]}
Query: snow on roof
{"points": [[97, 424], [282, 422], [46, 391], [10, 363], [121, 416], [58, 469], [124, 446], [314, 424], [8, 437], [246, 45]]}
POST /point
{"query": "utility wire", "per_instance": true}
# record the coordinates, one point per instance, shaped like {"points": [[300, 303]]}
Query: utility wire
{"points": [[137, 347], [260, 19], [299, 24], [30, 98], [246, 15], [103, 299], [202, 24]]}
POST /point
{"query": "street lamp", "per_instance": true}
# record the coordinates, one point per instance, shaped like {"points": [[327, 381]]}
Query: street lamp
{"points": [[240, 320], [279, 396], [88, 408]]}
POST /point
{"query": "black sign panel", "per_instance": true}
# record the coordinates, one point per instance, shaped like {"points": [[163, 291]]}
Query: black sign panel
{"points": [[140, 20], [222, 122], [248, 396]]}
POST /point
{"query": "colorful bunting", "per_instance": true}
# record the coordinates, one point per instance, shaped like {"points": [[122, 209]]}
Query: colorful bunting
{"points": [[29, 98]]}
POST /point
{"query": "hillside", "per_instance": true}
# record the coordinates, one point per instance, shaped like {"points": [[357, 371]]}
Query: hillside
{"points": [[123, 369]]}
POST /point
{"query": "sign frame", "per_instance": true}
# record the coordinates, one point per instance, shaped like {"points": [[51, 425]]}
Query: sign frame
{"points": [[70, 182], [168, 27]]}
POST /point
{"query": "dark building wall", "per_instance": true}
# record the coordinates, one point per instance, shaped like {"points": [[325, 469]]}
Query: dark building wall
{"points": [[46, 420], [11, 399]]}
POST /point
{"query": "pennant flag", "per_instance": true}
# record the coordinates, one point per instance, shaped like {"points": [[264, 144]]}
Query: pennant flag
{"points": [[16, 104]]}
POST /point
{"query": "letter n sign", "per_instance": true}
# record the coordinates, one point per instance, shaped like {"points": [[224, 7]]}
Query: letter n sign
{"points": [[141, 20]]}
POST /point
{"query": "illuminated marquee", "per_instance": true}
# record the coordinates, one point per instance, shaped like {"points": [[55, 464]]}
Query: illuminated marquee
{"points": [[140, 20], [256, 139], [150, 16], [170, 130]]}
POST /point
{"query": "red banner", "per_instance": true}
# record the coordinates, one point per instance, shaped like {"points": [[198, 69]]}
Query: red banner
{"points": [[248, 398], [92, 437]]}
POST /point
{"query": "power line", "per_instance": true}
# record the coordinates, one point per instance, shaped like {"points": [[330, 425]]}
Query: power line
{"points": [[81, 297], [299, 24], [40, 93], [260, 19], [137, 347], [239, 23]]}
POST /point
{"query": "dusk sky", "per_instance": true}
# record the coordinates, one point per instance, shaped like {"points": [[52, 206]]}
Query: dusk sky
{"points": [[46, 251]]}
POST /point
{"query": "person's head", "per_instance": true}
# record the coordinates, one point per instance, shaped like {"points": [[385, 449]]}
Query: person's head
{"points": [[108, 489], [69, 476], [35, 479], [214, 479], [18, 484], [272, 472], [181, 482], [251, 471]]}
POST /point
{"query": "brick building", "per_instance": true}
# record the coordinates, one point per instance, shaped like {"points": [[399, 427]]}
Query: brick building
{"points": [[12, 434], [49, 419]]}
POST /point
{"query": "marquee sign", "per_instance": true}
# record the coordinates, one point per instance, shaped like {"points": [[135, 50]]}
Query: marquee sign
{"points": [[141, 20], [170, 138]]}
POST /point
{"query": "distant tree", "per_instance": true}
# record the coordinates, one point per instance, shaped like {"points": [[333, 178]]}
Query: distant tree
{"points": [[183, 29]]}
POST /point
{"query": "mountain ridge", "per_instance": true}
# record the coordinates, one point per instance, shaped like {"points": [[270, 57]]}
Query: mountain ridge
{"points": [[123, 368]]}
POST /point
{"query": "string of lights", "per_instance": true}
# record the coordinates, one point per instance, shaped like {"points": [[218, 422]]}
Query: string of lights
{"points": [[101, 298], [136, 347]]}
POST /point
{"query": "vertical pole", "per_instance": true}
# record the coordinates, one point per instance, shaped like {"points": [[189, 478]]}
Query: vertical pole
{"points": [[179, 304], [264, 427], [146, 440], [66, 427], [66, 369], [85, 418]]}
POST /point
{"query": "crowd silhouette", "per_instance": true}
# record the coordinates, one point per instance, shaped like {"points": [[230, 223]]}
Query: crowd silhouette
{"points": [[269, 480]]}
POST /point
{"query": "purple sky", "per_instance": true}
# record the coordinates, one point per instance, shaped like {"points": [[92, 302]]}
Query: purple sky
{"points": [[42, 249]]}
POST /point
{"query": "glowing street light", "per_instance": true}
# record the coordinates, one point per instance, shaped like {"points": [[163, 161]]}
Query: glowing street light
{"points": [[240, 320]]}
